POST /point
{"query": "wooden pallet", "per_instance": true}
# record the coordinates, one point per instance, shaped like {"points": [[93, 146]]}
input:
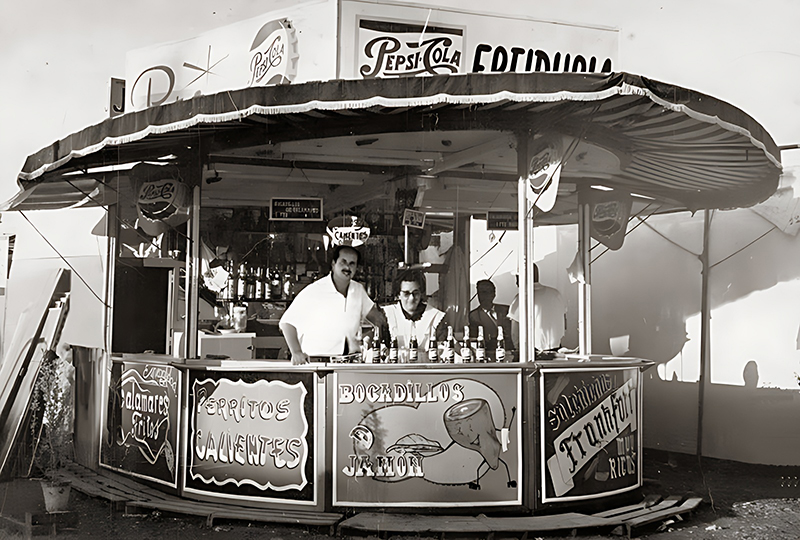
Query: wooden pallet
{"points": [[622, 520], [130, 496], [385, 525], [661, 515], [133, 497]]}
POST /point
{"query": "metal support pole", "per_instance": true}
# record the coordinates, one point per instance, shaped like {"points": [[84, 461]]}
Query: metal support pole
{"points": [[585, 287], [705, 324], [524, 348], [192, 280], [405, 251]]}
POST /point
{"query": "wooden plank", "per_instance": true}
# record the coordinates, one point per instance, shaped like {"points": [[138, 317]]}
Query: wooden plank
{"points": [[120, 488], [95, 490], [57, 520], [649, 501], [119, 484], [221, 510], [254, 514], [45, 314], [554, 522], [129, 485], [103, 490], [413, 523], [687, 506], [669, 502], [10, 524]]}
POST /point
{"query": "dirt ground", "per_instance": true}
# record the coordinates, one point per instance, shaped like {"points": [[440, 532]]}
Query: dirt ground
{"points": [[740, 501]]}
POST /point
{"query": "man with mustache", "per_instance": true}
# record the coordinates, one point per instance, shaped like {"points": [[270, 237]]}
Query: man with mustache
{"points": [[325, 318]]}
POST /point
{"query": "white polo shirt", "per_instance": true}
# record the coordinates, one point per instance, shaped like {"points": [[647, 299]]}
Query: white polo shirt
{"points": [[324, 318], [548, 317]]}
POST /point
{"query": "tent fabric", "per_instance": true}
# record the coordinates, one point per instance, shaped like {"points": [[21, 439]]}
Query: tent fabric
{"points": [[730, 134]]}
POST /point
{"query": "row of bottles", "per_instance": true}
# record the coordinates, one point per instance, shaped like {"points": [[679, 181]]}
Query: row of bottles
{"points": [[258, 283], [469, 352]]}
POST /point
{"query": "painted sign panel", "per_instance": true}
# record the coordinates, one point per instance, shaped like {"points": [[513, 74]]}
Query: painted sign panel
{"points": [[251, 436], [266, 50], [427, 438], [347, 231], [383, 40], [295, 209], [142, 423], [591, 441]]}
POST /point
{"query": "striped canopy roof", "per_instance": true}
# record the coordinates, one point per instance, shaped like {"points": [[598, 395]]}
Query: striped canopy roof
{"points": [[680, 149]]}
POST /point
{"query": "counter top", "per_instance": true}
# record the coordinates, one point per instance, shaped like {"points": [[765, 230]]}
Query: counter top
{"points": [[570, 362]]}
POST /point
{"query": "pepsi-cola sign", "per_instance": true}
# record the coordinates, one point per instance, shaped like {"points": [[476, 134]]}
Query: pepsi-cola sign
{"points": [[163, 204]]}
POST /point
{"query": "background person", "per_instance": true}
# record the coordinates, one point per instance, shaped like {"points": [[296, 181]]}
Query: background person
{"points": [[549, 318], [490, 316], [325, 317], [411, 307]]}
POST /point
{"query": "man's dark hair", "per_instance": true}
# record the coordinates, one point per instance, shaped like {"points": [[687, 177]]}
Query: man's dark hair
{"points": [[338, 250], [485, 283], [413, 276]]}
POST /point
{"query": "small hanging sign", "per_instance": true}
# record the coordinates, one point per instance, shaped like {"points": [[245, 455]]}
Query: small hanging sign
{"points": [[295, 209], [413, 218], [502, 221]]}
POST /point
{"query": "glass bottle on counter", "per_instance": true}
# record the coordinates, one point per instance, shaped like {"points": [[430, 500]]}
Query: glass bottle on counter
{"points": [[366, 351], [466, 348], [480, 346], [433, 348], [448, 354], [393, 351], [376, 347], [413, 346], [500, 353]]}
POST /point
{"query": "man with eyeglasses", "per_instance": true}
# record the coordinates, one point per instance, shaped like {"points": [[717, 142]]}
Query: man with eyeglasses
{"points": [[411, 307]]}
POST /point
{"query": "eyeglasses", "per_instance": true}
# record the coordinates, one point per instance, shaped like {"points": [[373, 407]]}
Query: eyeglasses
{"points": [[415, 294]]}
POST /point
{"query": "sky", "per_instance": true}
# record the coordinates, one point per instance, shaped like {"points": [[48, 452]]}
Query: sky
{"points": [[56, 57]]}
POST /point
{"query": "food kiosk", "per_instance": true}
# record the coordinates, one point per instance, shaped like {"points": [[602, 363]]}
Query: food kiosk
{"points": [[223, 206]]}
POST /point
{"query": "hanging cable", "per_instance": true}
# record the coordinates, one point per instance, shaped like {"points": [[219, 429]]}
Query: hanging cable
{"points": [[690, 252], [485, 253], [743, 248], [64, 259]]}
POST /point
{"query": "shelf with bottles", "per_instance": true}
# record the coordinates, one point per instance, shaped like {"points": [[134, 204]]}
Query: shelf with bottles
{"points": [[259, 284]]}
